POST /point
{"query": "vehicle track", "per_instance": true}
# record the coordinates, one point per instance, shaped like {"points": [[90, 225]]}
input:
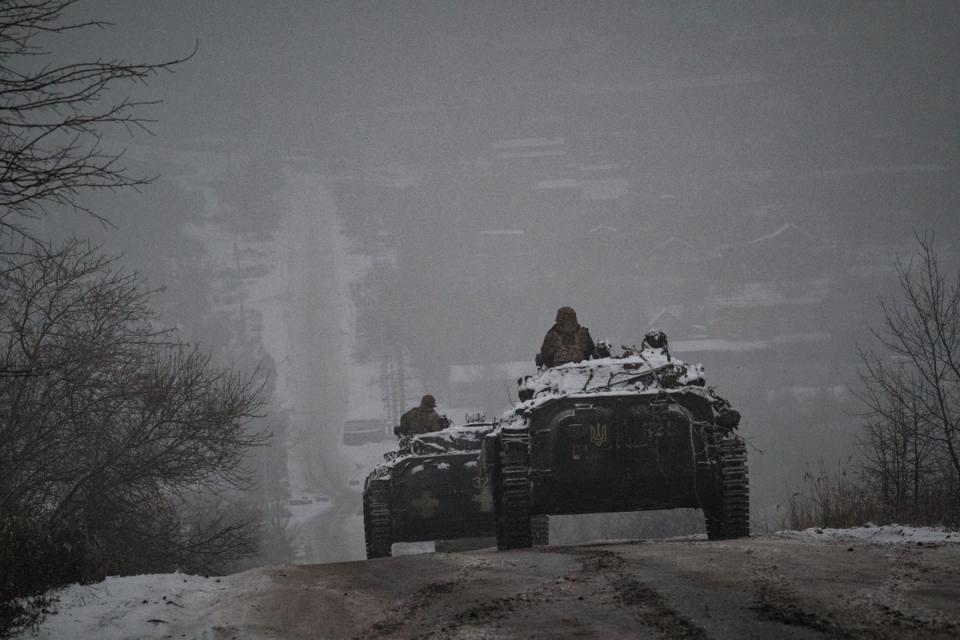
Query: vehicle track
{"points": [[754, 589]]}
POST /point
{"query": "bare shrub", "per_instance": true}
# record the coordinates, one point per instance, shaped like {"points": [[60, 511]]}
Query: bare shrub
{"points": [[908, 470], [121, 446], [52, 116], [832, 499], [912, 392]]}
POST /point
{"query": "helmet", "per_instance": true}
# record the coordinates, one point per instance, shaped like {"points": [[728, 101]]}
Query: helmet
{"points": [[656, 338], [566, 314], [428, 401]]}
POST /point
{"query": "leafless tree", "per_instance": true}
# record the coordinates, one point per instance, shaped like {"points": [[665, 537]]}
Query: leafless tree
{"points": [[121, 449], [899, 449], [115, 439], [912, 388], [53, 115]]}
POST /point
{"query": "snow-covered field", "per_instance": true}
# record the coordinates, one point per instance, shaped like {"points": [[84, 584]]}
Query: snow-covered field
{"points": [[133, 607]]}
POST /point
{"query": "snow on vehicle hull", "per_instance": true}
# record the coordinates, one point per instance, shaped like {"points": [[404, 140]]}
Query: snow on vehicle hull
{"points": [[428, 490], [439, 498], [619, 434]]}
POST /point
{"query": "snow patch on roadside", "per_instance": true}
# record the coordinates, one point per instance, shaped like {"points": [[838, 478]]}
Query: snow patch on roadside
{"points": [[143, 607], [885, 534]]}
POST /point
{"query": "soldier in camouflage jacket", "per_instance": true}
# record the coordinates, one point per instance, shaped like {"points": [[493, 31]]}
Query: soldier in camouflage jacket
{"points": [[566, 341]]}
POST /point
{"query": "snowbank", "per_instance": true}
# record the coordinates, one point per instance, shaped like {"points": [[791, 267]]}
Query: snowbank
{"points": [[886, 534], [141, 607]]}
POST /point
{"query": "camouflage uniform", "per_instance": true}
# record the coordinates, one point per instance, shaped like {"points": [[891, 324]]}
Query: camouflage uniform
{"points": [[566, 341], [422, 419]]}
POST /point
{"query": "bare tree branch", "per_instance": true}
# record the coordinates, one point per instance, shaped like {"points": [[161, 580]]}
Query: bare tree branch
{"points": [[912, 389], [53, 117], [111, 429]]}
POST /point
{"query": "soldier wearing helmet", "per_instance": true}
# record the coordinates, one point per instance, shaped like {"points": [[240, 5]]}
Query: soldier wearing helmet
{"points": [[422, 419], [566, 341]]}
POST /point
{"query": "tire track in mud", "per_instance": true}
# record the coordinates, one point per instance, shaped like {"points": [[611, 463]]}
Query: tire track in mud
{"points": [[405, 613], [732, 590], [686, 591], [598, 589], [880, 612], [888, 605], [422, 616], [649, 606], [775, 599], [653, 611]]}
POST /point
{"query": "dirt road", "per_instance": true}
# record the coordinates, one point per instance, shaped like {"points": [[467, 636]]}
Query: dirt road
{"points": [[314, 359], [765, 587]]}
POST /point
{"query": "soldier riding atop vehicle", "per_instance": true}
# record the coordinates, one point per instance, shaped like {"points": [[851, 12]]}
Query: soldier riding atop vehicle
{"points": [[566, 341], [421, 419]]}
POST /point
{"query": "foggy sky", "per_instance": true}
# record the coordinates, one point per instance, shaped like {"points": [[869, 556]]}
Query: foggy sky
{"points": [[626, 158]]}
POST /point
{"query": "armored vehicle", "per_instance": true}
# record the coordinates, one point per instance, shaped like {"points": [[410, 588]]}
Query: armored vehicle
{"points": [[429, 489], [630, 433]]}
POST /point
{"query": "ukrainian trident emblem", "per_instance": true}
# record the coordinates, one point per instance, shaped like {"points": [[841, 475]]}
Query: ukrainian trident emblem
{"points": [[598, 434]]}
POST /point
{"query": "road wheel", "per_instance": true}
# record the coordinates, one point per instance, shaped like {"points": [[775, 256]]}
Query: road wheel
{"points": [[377, 523], [512, 492]]}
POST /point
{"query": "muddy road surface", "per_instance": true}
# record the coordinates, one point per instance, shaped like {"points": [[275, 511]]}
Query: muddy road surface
{"points": [[764, 587]]}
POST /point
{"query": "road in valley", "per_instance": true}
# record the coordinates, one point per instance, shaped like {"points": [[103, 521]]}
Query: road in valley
{"points": [[764, 587], [314, 380]]}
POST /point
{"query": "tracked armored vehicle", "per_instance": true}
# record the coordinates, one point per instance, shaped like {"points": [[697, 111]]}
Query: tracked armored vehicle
{"points": [[631, 433], [429, 489]]}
